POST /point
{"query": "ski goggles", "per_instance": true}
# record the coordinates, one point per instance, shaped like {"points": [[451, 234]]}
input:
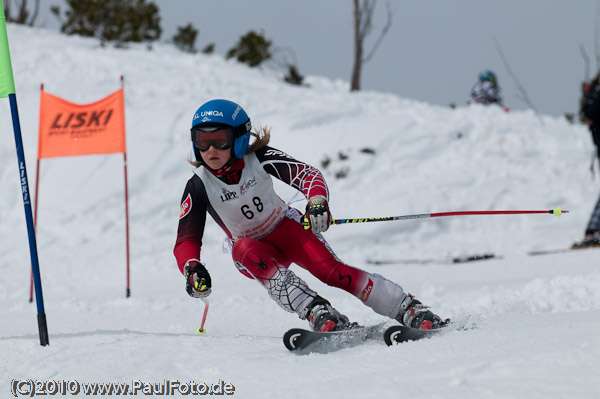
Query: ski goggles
{"points": [[219, 137]]}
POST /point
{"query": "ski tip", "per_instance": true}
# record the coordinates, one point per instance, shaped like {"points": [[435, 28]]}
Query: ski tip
{"points": [[201, 331], [557, 211]]}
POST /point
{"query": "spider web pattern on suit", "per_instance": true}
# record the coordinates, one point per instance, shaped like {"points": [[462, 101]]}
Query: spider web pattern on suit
{"points": [[285, 288], [303, 177]]}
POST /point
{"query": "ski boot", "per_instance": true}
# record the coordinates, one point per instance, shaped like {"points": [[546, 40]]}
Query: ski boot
{"points": [[322, 317], [592, 239], [416, 315]]}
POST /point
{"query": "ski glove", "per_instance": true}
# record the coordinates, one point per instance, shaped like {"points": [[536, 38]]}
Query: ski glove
{"points": [[197, 279], [317, 216]]}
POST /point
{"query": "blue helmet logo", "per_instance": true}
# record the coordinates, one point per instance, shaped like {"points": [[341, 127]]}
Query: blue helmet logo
{"points": [[225, 113]]}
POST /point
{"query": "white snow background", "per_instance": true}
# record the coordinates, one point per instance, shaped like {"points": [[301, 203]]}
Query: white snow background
{"points": [[538, 316]]}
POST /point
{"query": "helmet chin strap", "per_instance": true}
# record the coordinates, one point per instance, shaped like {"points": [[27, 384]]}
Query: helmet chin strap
{"points": [[223, 168]]}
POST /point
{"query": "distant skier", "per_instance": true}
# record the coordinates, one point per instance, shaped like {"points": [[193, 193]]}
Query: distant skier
{"points": [[590, 113], [233, 183], [486, 91]]}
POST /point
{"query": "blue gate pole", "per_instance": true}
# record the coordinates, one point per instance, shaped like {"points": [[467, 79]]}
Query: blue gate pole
{"points": [[7, 89], [37, 279]]}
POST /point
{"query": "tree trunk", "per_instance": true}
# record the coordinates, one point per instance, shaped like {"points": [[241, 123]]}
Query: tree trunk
{"points": [[23, 17], [23, 14], [358, 49]]}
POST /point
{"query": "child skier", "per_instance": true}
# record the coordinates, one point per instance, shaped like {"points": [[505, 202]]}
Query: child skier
{"points": [[233, 183], [486, 91]]}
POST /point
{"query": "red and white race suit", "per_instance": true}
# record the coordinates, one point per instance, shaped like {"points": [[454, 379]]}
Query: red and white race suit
{"points": [[268, 235]]}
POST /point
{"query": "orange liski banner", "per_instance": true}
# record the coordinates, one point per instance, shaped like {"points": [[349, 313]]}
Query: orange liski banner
{"points": [[68, 129]]}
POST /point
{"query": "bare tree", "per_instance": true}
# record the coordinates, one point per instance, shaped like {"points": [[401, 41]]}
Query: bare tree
{"points": [[583, 52], [23, 16], [363, 26], [523, 96], [586, 60]]}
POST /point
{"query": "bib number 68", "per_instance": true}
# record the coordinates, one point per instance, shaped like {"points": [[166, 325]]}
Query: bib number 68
{"points": [[246, 210]]}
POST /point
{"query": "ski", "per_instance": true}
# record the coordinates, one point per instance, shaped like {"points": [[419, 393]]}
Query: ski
{"points": [[399, 333], [303, 341], [561, 250], [457, 259]]}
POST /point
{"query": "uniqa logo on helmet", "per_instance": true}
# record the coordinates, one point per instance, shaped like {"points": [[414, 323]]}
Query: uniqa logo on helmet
{"points": [[211, 113], [206, 114]]}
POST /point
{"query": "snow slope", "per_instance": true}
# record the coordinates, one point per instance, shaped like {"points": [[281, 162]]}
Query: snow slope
{"points": [[536, 315]]}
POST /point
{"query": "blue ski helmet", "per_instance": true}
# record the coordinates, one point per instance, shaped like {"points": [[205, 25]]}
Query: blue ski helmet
{"points": [[489, 76], [228, 114]]}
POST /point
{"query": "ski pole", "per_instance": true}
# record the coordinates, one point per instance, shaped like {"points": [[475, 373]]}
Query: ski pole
{"points": [[201, 330], [556, 211]]}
